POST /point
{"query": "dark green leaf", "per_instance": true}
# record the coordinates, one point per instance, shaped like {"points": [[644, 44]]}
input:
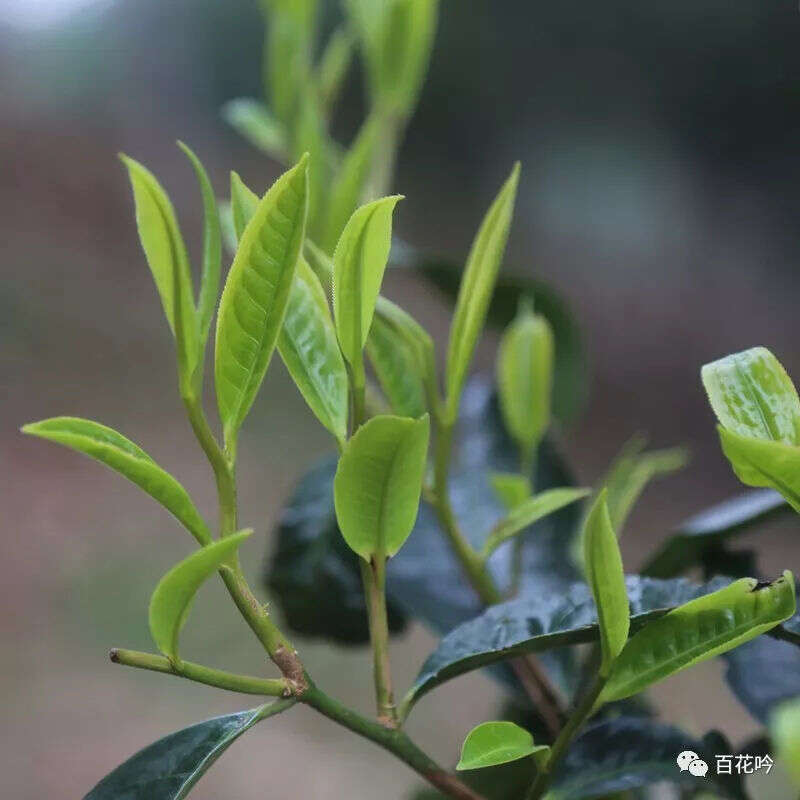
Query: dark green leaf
{"points": [[313, 575], [627, 753], [707, 531], [172, 598], [170, 767], [122, 455]]}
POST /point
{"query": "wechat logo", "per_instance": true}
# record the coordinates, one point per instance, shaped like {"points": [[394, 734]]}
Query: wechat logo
{"points": [[689, 760]]}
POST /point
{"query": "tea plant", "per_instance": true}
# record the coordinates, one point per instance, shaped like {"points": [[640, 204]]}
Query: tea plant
{"points": [[500, 557]]}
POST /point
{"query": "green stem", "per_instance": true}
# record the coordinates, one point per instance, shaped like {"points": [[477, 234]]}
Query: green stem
{"points": [[358, 384], [581, 713], [245, 684], [393, 740], [374, 579]]}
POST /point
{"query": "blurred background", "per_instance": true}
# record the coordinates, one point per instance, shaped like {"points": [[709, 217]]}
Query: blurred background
{"points": [[660, 144]]}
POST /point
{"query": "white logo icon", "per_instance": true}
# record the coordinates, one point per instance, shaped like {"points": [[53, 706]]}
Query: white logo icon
{"points": [[689, 760]]}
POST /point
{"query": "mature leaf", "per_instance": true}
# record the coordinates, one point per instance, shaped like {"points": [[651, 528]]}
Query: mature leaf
{"points": [[313, 575], [166, 255], [378, 484], [169, 768], [122, 455], [752, 396], [525, 377], [607, 581], [757, 462], [171, 599], [763, 674], [212, 248], [255, 123], [627, 753], [699, 630], [477, 285], [358, 265], [785, 734], [256, 294], [493, 743], [702, 535], [511, 488], [525, 513], [307, 342], [347, 187], [630, 473]]}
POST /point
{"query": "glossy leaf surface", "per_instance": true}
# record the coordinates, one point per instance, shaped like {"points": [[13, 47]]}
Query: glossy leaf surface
{"points": [[122, 455], [606, 578], [169, 768], [525, 377], [752, 396], [171, 599], [477, 284], [378, 484], [493, 743], [256, 294], [525, 513], [699, 630], [358, 265]]}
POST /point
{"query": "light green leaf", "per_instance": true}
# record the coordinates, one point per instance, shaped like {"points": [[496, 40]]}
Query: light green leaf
{"points": [[378, 483], [476, 289], [606, 579], [307, 342], [122, 455], [752, 395], [310, 350], [699, 630], [525, 377], [758, 462], [511, 488], [529, 511], [348, 184], [321, 263], [784, 727], [630, 473], [493, 743], [333, 66], [166, 255], [244, 202], [256, 295], [255, 123], [358, 266], [172, 598], [212, 248]]}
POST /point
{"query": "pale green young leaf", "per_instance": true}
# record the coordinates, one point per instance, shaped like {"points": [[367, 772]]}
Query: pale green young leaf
{"points": [[758, 462], [378, 483], [525, 378], [212, 248], [307, 342], [511, 488], [476, 289], [784, 730], [166, 256], [752, 395], [697, 631], [321, 263], [244, 202], [309, 348], [359, 262], [606, 579], [172, 598], [255, 123], [333, 66], [493, 743], [348, 184], [256, 294], [529, 511], [122, 455]]}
